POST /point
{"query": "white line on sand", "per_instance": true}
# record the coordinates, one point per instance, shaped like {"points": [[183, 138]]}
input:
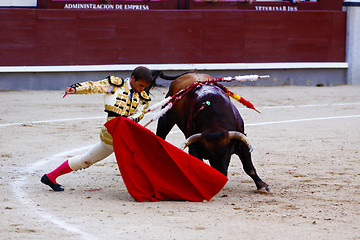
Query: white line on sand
{"points": [[302, 120], [31, 206]]}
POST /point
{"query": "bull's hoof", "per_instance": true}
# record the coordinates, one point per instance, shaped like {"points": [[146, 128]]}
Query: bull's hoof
{"points": [[264, 190]]}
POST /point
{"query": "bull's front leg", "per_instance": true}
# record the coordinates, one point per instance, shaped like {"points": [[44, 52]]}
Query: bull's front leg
{"points": [[245, 156], [164, 126], [193, 152]]}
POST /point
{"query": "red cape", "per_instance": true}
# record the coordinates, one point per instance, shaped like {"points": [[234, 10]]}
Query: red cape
{"points": [[153, 169]]}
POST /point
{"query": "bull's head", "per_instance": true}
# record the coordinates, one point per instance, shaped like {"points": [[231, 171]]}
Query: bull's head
{"points": [[216, 146], [232, 135]]}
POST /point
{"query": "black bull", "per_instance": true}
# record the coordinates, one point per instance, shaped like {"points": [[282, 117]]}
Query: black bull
{"points": [[212, 125]]}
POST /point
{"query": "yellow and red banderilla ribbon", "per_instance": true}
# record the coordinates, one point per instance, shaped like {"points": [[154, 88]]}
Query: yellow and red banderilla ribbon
{"points": [[241, 100]]}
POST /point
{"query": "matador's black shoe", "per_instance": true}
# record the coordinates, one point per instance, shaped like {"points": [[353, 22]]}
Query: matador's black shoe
{"points": [[55, 186]]}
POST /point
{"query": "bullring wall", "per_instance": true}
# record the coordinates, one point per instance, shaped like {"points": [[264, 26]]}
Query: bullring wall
{"points": [[229, 41], [39, 37]]}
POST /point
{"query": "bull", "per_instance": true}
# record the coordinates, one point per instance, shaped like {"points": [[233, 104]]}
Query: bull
{"points": [[211, 124]]}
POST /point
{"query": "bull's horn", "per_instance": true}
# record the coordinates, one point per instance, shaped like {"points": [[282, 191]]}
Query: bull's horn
{"points": [[240, 136], [191, 140]]}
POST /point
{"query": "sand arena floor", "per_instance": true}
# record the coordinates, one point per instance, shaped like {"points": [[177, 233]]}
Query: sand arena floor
{"points": [[306, 146]]}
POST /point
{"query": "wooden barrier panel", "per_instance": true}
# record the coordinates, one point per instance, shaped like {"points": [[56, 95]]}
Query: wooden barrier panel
{"points": [[40, 37]]}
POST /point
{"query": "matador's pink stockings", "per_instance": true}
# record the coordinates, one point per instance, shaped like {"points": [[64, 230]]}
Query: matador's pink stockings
{"points": [[64, 168]]}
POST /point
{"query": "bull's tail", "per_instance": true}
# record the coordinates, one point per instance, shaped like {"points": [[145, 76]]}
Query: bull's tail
{"points": [[170, 78], [157, 73]]}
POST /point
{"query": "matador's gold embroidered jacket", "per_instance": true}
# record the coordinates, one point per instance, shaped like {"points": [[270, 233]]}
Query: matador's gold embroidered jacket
{"points": [[117, 100]]}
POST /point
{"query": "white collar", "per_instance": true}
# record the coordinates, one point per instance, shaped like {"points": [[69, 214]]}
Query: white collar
{"points": [[128, 83]]}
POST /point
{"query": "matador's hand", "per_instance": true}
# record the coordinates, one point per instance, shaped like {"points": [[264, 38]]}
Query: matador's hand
{"points": [[69, 90]]}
